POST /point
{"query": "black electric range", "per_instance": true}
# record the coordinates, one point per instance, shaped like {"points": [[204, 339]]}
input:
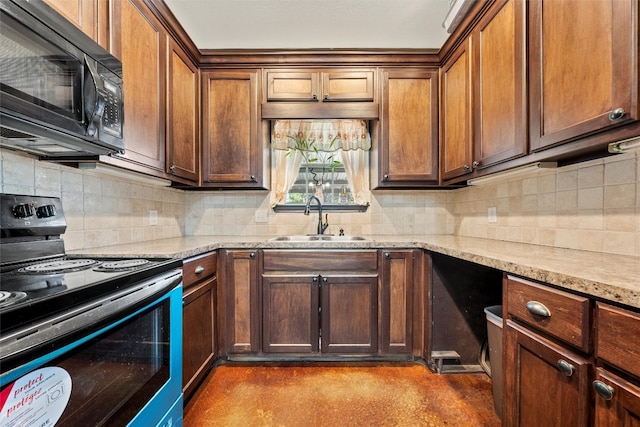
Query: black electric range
{"points": [[37, 278]]}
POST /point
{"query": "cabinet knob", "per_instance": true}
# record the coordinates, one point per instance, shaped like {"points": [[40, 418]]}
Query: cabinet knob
{"points": [[565, 367], [252, 255], [252, 178], [315, 97], [326, 96], [199, 269], [617, 114], [475, 164], [538, 309], [387, 255], [172, 168], [325, 280], [466, 168], [385, 178], [603, 390], [314, 280]]}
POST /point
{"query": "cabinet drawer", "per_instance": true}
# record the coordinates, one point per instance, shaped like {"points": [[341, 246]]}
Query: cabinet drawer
{"points": [[617, 332], [198, 268], [560, 314], [320, 260]]}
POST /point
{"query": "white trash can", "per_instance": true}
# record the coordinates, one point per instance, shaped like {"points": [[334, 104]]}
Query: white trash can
{"points": [[494, 334]]}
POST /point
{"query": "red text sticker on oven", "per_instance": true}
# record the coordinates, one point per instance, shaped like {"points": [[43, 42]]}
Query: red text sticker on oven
{"points": [[36, 399]]}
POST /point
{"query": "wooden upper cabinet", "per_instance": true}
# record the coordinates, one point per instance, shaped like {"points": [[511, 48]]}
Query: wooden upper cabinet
{"points": [[232, 135], [183, 115], [313, 85], [583, 62], [500, 111], [88, 15], [408, 148], [456, 106], [140, 41]]}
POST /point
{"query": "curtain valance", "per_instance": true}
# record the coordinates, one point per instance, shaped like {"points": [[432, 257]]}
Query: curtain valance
{"points": [[320, 135]]}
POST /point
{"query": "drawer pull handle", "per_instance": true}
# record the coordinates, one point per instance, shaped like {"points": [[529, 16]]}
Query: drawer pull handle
{"points": [[199, 269], [617, 114], [603, 390], [565, 367], [537, 308]]}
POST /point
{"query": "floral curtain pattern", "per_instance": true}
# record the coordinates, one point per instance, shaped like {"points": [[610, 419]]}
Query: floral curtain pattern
{"points": [[323, 135]]}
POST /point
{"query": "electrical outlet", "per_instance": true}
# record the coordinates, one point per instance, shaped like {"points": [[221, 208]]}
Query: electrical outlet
{"points": [[492, 215], [261, 216], [153, 217]]}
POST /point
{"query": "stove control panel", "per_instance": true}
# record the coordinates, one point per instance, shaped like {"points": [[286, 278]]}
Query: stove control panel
{"points": [[23, 215]]}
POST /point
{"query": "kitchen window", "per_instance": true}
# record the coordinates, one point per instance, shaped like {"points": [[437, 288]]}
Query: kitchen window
{"points": [[325, 158]]}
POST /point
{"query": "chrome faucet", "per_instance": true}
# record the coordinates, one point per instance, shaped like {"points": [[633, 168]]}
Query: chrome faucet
{"points": [[307, 209]]}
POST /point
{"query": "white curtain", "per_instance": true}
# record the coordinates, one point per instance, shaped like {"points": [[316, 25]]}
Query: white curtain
{"points": [[294, 140], [355, 165], [287, 166]]}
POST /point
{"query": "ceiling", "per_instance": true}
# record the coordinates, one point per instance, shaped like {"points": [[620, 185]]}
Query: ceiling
{"points": [[313, 24]]}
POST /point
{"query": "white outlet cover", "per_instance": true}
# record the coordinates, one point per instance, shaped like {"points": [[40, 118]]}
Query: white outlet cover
{"points": [[492, 215], [153, 217], [261, 216]]}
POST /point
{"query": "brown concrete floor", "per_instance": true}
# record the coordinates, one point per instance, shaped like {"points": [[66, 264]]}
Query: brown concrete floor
{"points": [[340, 395]]}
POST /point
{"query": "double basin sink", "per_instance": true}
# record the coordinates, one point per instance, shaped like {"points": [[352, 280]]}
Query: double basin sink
{"points": [[319, 238]]}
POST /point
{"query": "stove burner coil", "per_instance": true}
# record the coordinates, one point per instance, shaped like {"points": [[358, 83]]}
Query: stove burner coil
{"points": [[123, 265], [8, 298], [61, 266]]}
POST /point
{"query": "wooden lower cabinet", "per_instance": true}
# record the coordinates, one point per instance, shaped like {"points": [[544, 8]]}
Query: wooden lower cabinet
{"points": [[241, 302], [290, 320], [545, 383], [198, 320], [617, 401], [398, 273], [349, 314]]}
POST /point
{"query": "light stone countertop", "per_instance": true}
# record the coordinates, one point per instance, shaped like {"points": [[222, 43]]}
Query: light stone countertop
{"points": [[606, 276]]}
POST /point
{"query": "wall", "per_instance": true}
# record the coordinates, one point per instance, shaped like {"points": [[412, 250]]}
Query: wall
{"points": [[100, 209], [593, 206]]}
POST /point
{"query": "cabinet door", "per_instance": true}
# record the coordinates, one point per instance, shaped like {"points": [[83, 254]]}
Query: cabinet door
{"points": [[290, 314], [139, 40], [232, 152], [242, 305], [583, 65], [348, 86], [409, 128], [198, 333], [617, 401], [293, 85], [349, 314], [456, 139], [545, 384], [500, 131], [183, 115], [91, 16], [396, 301]]}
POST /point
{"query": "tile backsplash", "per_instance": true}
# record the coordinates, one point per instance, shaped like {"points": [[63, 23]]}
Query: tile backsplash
{"points": [[593, 206]]}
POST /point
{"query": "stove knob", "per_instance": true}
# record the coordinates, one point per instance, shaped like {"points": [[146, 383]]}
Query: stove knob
{"points": [[23, 210], [46, 211]]}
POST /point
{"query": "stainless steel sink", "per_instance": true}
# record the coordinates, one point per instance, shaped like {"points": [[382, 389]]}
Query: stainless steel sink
{"points": [[318, 238]]}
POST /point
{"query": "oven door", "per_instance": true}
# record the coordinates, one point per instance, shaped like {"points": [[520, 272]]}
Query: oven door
{"points": [[127, 373]]}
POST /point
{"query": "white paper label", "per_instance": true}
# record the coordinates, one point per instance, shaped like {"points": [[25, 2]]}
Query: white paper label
{"points": [[37, 399]]}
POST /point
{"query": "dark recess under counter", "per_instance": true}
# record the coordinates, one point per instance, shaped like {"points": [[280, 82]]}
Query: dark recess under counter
{"points": [[460, 290]]}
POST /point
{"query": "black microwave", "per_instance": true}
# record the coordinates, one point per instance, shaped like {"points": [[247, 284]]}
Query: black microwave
{"points": [[61, 93]]}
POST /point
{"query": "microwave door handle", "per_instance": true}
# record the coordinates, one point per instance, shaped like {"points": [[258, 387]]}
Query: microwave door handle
{"points": [[93, 99]]}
